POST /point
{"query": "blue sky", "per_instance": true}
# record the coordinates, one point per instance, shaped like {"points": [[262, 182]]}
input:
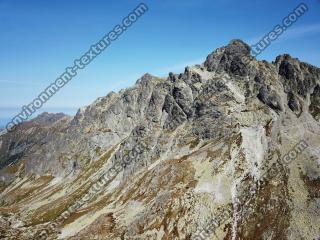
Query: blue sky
{"points": [[41, 38]]}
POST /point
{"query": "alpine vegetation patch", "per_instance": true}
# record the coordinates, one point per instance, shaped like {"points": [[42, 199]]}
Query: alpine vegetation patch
{"points": [[211, 225], [272, 172], [106, 178], [288, 158], [70, 72]]}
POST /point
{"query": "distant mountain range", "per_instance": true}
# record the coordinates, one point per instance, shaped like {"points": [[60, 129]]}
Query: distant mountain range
{"points": [[6, 113]]}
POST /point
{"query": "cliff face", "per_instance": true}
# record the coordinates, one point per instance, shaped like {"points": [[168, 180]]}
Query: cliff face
{"points": [[224, 136]]}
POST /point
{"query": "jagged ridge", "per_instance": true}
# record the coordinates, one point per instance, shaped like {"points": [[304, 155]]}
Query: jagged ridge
{"points": [[210, 134]]}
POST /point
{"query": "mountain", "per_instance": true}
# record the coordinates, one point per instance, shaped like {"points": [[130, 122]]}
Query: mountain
{"points": [[14, 145], [229, 149]]}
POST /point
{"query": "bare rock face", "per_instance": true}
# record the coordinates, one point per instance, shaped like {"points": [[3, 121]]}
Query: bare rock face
{"points": [[314, 106], [228, 149], [229, 59], [270, 98]]}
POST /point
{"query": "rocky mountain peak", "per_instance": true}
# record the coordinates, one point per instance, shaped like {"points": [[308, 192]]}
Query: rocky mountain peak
{"points": [[230, 59], [237, 47], [164, 157], [49, 118], [144, 78]]}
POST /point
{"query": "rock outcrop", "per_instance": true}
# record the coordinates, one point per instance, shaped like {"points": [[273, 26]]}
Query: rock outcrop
{"points": [[163, 158]]}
